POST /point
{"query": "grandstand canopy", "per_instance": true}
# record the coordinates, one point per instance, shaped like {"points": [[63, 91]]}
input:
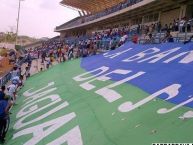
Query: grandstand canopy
{"points": [[92, 6]]}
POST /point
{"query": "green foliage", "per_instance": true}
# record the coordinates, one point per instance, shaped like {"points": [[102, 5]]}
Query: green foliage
{"points": [[8, 37]]}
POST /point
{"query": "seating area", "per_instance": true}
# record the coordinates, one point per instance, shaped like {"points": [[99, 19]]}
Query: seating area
{"points": [[120, 6], [83, 19]]}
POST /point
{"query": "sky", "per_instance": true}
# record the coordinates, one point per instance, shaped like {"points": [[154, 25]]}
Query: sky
{"points": [[38, 18]]}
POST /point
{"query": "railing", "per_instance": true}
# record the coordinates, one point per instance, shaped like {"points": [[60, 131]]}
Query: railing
{"points": [[5, 79], [177, 37], [113, 9], [21, 61]]}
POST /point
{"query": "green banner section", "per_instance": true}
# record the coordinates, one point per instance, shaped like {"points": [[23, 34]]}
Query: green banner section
{"points": [[53, 108]]}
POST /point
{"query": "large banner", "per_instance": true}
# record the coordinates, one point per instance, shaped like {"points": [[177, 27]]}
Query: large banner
{"points": [[134, 95], [156, 67]]}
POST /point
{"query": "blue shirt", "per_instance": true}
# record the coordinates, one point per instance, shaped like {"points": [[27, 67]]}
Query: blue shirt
{"points": [[3, 105], [2, 95]]}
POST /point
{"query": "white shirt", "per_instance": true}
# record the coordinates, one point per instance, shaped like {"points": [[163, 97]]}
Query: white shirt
{"points": [[14, 73], [11, 90], [16, 79], [124, 38], [182, 23]]}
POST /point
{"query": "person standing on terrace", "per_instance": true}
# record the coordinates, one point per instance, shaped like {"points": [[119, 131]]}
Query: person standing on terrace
{"points": [[168, 37], [14, 72], [2, 92], [12, 92], [4, 111]]}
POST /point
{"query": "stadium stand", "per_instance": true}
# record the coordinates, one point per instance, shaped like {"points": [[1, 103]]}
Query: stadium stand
{"points": [[162, 14]]}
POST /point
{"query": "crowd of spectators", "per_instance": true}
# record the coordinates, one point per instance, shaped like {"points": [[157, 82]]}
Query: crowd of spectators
{"points": [[82, 46], [144, 31], [183, 25], [179, 26], [8, 97], [108, 39]]}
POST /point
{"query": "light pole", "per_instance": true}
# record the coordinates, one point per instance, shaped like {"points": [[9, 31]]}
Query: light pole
{"points": [[18, 16]]}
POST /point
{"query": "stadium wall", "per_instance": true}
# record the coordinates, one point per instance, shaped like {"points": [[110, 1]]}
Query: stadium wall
{"points": [[168, 16]]}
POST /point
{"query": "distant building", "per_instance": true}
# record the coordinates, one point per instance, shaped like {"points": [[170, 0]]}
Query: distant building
{"points": [[33, 45]]}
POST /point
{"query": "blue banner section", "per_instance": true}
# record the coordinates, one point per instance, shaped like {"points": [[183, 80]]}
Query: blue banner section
{"points": [[163, 64]]}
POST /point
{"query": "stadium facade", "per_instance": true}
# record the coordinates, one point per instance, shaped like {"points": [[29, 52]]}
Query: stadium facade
{"points": [[95, 15]]}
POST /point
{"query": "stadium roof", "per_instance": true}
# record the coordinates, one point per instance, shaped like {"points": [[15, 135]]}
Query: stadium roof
{"points": [[92, 6]]}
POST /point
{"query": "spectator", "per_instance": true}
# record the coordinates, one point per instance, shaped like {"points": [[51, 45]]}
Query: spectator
{"points": [[165, 28], [71, 50], [12, 92], [168, 37], [181, 25], [63, 55], [177, 25], [159, 27], [150, 39], [185, 42], [27, 72], [138, 29], [189, 25], [14, 73], [48, 62], [43, 56], [4, 110], [19, 71], [18, 81], [123, 39], [135, 39], [113, 44], [171, 27], [29, 58], [2, 93]]}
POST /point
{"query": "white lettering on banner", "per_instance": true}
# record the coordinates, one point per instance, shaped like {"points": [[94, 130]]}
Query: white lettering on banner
{"points": [[107, 92], [19, 124], [116, 54], [187, 115], [37, 96], [165, 110], [175, 57], [152, 54], [101, 71], [142, 54], [172, 91], [160, 56], [88, 86], [27, 93], [54, 99], [39, 132], [188, 58], [111, 95], [73, 137]]}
